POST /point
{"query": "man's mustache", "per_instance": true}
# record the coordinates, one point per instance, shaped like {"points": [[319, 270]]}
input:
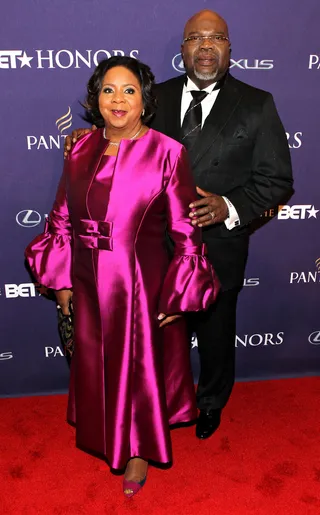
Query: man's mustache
{"points": [[205, 55]]}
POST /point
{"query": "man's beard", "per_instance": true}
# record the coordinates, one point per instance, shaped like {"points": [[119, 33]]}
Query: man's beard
{"points": [[206, 76]]}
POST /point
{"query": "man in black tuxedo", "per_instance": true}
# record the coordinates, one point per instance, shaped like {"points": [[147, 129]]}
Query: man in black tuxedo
{"points": [[241, 163]]}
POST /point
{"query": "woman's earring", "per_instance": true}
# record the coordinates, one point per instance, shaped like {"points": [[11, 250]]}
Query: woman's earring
{"points": [[143, 112]]}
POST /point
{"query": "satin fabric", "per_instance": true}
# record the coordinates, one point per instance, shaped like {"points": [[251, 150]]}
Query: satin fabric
{"points": [[128, 381]]}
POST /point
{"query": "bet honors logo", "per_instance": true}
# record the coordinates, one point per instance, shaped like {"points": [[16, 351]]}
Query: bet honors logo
{"points": [[63, 59]]}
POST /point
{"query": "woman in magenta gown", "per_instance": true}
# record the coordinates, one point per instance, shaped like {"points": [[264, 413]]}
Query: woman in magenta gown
{"points": [[123, 186]]}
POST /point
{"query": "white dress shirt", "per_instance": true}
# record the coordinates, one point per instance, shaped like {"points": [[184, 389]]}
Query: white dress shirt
{"points": [[206, 106]]}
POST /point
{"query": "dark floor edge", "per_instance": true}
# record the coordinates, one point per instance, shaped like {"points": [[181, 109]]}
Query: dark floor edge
{"points": [[238, 380]]}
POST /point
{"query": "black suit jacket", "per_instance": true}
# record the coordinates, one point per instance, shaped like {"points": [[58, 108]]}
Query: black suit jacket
{"points": [[242, 153]]}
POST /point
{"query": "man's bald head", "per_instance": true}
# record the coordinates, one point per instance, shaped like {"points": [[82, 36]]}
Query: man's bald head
{"points": [[206, 15]]}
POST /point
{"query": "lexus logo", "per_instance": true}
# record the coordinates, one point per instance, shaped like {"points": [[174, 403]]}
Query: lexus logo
{"points": [[314, 338], [243, 64], [5, 355], [177, 63], [28, 218]]}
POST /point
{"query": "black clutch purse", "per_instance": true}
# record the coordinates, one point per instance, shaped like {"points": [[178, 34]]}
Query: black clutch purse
{"points": [[66, 331]]}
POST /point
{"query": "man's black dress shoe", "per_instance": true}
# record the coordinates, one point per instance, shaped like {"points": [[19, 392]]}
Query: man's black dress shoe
{"points": [[207, 423]]}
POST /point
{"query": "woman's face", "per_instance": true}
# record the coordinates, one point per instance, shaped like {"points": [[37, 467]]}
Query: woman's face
{"points": [[120, 99]]}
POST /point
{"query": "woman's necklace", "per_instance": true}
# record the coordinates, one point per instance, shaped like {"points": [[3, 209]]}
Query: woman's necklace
{"points": [[117, 143]]}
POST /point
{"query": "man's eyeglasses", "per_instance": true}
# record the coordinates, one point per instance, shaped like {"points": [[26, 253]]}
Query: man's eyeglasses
{"points": [[217, 39]]}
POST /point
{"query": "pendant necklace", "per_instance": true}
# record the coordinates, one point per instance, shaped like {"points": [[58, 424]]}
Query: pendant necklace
{"points": [[117, 143]]}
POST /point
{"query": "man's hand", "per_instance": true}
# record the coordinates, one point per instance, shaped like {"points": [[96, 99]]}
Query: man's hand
{"points": [[70, 140], [165, 320], [211, 209], [63, 300]]}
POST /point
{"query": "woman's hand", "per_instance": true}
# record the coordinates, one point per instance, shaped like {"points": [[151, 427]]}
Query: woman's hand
{"points": [[63, 300], [165, 320], [70, 140]]}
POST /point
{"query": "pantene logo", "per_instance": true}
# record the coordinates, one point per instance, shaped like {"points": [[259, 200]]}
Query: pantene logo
{"points": [[64, 122], [314, 62], [306, 276], [52, 141]]}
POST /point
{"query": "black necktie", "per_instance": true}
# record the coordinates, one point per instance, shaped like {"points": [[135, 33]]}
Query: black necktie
{"points": [[191, 125]]}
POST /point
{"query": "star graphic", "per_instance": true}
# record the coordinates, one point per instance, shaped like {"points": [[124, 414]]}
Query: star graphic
{"points": [[312, 212], [25, 60], [194, 342]]}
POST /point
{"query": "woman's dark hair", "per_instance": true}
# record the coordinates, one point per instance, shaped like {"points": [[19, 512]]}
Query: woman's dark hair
{"points": [[140, 70]]}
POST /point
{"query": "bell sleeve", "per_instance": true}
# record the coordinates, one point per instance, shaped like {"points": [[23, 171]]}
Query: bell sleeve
{"points": [[49, 255], [190, 283]]}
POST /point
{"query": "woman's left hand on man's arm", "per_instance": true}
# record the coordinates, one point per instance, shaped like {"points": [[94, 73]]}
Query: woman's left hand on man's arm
{"points": [[64, 297], [165, 320]]}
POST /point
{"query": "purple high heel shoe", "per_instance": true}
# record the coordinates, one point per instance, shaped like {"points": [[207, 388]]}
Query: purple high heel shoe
{"points": [[131, 488]]}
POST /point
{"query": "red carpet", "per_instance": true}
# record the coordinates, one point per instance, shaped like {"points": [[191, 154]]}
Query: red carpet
{"points": [[265, 459]]}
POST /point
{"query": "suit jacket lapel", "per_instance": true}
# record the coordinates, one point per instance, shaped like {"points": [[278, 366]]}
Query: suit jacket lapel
{"points": [[174, 111], [223, 108]]}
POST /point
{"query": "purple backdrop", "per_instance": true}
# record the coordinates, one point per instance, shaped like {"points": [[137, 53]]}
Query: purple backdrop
{"points": [[47, 55]]}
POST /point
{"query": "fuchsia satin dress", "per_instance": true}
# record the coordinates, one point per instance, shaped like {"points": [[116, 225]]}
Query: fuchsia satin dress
{"points": [[105, 238]]}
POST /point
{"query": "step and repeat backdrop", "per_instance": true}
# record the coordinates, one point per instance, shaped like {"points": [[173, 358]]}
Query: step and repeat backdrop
{"points": [[47, 54]]}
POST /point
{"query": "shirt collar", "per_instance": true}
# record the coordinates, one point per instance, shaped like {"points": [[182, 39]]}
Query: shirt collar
{"points": [[190, 86]]}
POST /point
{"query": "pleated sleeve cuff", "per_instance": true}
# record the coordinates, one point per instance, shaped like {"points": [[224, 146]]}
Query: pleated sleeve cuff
{"points": [[49, 256], [190, 283]]}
